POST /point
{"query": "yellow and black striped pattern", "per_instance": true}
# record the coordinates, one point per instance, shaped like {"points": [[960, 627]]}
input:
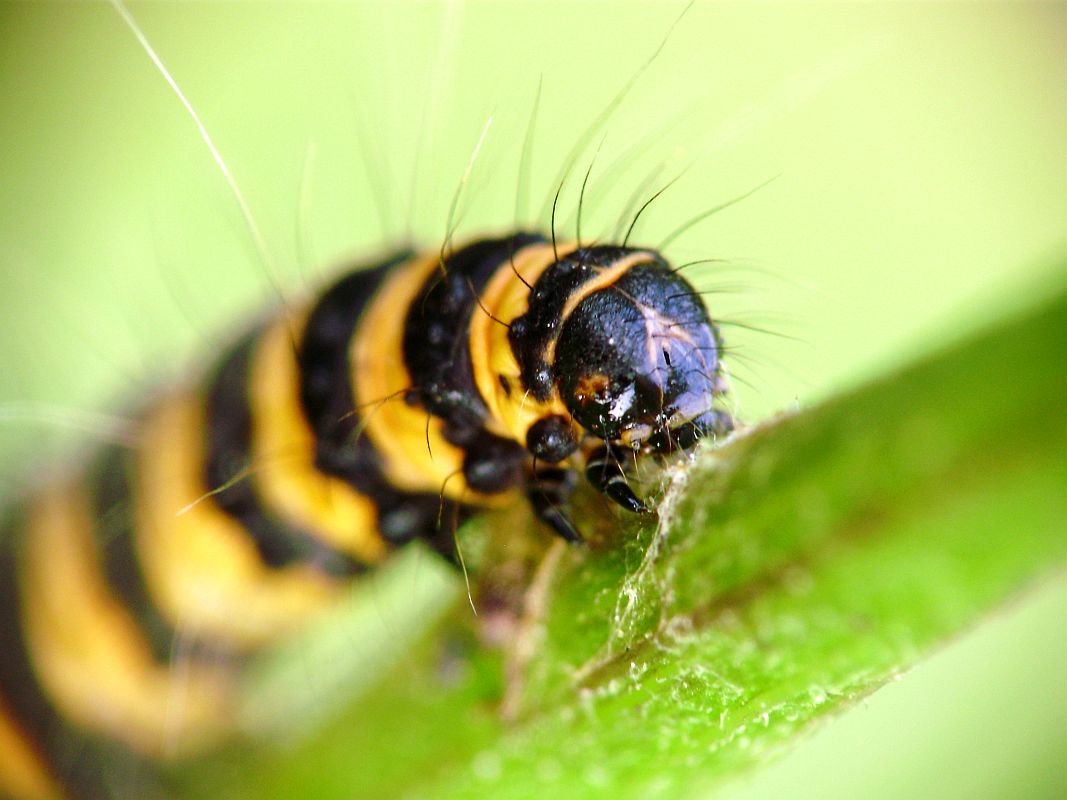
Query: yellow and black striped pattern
{"points": [[328, 435]]}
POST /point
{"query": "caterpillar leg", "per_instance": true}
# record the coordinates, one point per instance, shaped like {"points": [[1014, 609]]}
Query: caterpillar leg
{"points": [[549, 492], [604, 471]]}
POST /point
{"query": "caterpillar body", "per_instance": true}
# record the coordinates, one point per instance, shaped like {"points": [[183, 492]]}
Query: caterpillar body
{"points": [[404, 397]]}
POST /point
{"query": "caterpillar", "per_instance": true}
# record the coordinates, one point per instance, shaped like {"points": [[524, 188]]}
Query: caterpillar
{"points": [[392, 404], [410, 393]]}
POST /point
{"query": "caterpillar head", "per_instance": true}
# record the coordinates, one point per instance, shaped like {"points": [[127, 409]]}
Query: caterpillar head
{"points": [[637, 362]]}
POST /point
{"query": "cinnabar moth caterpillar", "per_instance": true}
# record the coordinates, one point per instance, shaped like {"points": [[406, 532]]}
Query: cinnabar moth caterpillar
{"points": [[407, 395]]}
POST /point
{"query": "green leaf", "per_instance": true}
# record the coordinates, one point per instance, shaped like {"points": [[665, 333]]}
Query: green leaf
{"points": [[791, 572]]}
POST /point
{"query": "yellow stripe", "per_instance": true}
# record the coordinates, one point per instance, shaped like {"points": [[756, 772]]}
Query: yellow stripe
{"points": [[506, 298], [415, 455], [92, 659], [283, 450], [204, 571], [23, 773]]}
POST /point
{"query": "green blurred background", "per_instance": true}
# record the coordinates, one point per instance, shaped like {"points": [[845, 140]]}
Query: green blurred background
{"points": [[921, 155]]}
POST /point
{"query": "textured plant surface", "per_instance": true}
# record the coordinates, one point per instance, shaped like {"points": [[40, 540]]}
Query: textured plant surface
{"points": [[790, 572]]}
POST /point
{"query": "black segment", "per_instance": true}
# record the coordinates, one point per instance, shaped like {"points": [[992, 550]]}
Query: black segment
{"points": [[531, 333], [326, 397], [551, 439], [227, 469], [436, 343], [72, 755], [436, 349], [604, 471], [549, 492], [325, 387], [113, 534], [493, 464]]}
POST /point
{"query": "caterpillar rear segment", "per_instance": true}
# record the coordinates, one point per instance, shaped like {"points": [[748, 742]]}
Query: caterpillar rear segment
{"points": [[404, 398]]}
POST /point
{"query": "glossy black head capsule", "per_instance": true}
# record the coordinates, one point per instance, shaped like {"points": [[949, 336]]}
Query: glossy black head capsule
{"points": [[637, 362]]}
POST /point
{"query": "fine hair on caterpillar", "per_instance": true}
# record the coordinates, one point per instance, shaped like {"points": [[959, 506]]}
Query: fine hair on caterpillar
{"points": [[386, 406]]}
